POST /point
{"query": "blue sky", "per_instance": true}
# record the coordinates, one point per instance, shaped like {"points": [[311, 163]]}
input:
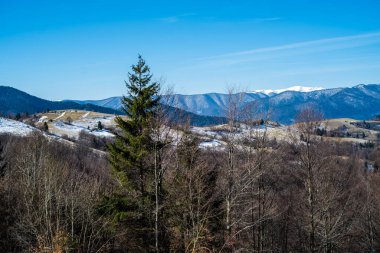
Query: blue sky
{"points": [[84, 49]]}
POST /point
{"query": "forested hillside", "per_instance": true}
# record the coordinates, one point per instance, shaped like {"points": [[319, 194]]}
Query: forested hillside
{"points": [[267, 196]]}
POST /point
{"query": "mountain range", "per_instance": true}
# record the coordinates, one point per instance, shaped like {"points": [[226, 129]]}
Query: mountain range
{"points": [[14, 101], [359, 102]]}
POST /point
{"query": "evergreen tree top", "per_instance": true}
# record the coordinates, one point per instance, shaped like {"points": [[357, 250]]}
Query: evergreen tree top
{"points": [[142, 96], [133, 144]]}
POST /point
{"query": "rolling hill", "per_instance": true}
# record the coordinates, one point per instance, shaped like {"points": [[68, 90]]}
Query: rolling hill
{"points": [[13, 101]]}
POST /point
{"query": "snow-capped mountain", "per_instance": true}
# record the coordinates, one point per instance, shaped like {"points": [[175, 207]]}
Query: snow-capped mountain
{"points": [[360, 102], [293, 88]]}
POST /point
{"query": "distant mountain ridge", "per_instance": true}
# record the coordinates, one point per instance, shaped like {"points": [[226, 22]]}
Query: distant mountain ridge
{"points": [[177, 113], [112, 102], [360, 102], [13, 101]]}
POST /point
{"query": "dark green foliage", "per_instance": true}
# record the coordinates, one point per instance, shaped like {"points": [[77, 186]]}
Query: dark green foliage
{"points": [[367, 144], [130, 152], [133, 144], [113, 205], [45, 127], [320, 131], [100, 126], [3, 163]]}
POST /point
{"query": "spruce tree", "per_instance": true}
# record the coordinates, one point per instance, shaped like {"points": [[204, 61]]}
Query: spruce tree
{"points": [[100, 126], [45, 127], [3, 163], [129, 154]]}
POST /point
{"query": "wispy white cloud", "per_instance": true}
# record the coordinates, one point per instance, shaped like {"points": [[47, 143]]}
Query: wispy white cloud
{"points": [[172, 19], [320, 45], [176, 18], [260, 20], [326, 69]]}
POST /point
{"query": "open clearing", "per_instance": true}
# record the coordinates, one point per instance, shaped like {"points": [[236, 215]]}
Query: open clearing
{"points": [[71, 122]]}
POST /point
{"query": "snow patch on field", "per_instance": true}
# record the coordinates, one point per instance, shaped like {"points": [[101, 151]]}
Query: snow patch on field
{"points": [[9, 126], [60, 116], [106, 121], [74, 130], [210, 144], [102, 133], [85, 115], [206, 131], [42, 119], [67, 127]]}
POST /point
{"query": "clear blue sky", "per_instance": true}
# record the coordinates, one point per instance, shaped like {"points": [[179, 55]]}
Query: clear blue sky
{"points": [[84, 49]]}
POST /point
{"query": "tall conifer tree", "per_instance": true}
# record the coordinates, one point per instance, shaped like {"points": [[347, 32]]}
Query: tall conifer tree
{"points": [[129, 154], [3, 164]]}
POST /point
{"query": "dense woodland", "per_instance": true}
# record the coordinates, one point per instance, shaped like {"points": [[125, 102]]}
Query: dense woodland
{"points": [[150, 192]]}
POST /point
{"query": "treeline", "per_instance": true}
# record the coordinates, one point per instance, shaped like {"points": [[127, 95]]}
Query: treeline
{"points": [[157, 190]]}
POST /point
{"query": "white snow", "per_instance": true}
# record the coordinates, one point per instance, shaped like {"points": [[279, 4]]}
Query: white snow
{"points": [[210, 144], [85, 115], [74, 130], [102, 133], [42, 119], [107, 121], [70, 130], [15, 127], [215, 136], [293, 88], [60, 116]]}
